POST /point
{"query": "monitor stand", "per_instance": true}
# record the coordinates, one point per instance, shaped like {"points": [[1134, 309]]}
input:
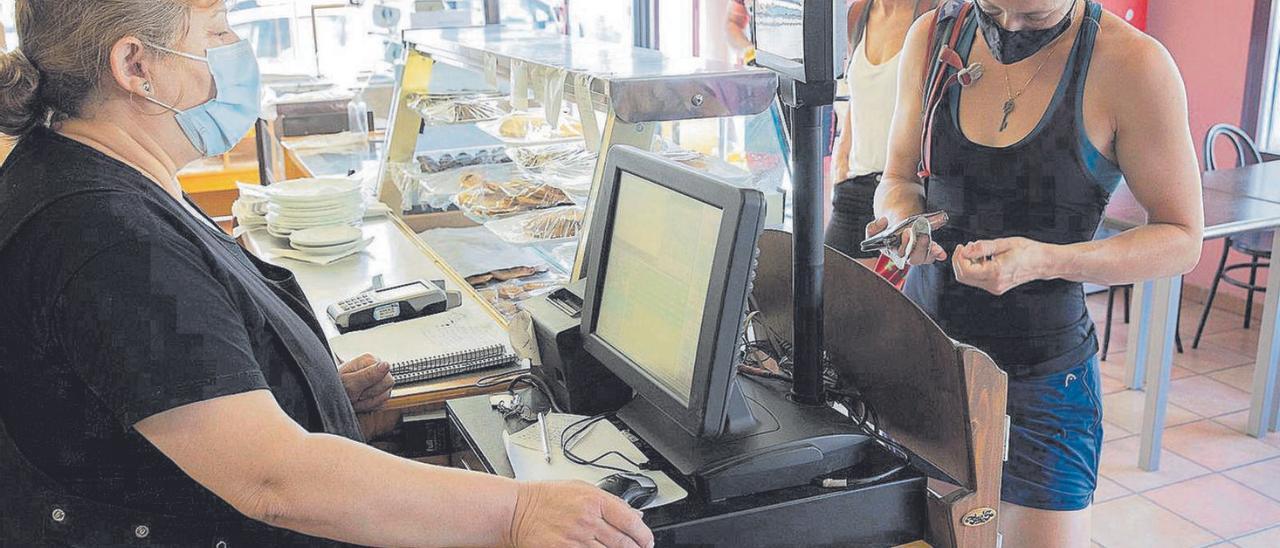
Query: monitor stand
{"points": [[788, 445]]}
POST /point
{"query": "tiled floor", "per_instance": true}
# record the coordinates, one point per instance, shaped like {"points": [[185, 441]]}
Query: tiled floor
{"points": [[1216, 486]]}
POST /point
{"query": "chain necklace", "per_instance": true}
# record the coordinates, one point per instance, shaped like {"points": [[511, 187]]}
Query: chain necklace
{"points": [[1013, 97]]}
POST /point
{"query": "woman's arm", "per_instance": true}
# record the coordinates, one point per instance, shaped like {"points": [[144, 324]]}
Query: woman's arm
{"points": [[901, 193], [1156, 153], [246, 451], [1154, 149]]}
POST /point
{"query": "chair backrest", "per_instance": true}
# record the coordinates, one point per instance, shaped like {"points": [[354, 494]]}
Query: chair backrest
{"points": [[1246, 150]]}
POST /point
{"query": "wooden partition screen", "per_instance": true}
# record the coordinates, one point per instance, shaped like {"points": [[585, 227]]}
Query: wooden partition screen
{"points": [[942, 400]]}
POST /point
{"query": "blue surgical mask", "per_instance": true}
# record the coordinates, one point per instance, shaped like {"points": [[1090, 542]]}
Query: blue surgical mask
{"points": [[216, 126]]}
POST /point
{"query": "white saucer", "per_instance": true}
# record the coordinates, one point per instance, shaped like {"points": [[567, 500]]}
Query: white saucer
{"points": [[308, 190], [327, 250], [296, 223], [326, 236]]}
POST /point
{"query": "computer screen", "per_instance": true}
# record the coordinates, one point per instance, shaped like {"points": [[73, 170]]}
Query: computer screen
{"points": [[803, 40], [670, 256], [780, 28], [654, 292]]}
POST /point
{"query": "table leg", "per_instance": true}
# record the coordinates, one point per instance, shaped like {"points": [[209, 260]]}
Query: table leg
{"points": [[1262, 411], [1275, 406], [1139, 336], [1165, 294]]}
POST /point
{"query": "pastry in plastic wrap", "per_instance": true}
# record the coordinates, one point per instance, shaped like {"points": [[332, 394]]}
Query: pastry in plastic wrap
{"points": [[490, 199], [525, 126], [555, 225]]}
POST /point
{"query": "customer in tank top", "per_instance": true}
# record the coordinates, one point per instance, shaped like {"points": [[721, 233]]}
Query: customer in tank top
{"points": [[877, 29], [1071, 101]]}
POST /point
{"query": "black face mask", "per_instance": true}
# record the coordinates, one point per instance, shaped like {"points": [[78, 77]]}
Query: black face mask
{"points": [[1009, 46]]}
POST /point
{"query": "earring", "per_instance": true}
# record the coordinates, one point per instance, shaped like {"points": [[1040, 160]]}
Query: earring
{"points": [[146, 86]]}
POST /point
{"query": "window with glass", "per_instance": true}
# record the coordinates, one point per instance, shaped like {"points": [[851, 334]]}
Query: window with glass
{"points": [[676, 26], [1269, 126], [323, 38], [536, 14], [604, 20], [9, 36]]}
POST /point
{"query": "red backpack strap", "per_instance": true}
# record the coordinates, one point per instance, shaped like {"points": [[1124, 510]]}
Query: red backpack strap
{"points": [[944, 70]]}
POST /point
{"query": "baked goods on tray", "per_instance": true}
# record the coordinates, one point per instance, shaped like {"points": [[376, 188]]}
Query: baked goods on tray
{"points": [[487, 199], [554, 225], [535, 126]]}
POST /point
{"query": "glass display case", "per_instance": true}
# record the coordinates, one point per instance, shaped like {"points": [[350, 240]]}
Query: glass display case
{"points": [[498, 137]]}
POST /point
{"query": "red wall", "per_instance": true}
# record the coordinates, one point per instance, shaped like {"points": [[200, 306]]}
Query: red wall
{"points": [[1209, 40], [1133, 11]]}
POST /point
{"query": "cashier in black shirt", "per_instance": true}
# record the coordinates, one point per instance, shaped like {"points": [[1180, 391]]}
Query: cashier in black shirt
{"points": [[160, 386]]}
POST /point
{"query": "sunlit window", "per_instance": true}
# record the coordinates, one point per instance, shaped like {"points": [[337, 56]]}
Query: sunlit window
{"points": [[603, 20], [10, 35], [1270, 127]]}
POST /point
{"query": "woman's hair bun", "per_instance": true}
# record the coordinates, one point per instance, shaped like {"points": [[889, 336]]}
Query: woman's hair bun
{"points": [[20, 109]]}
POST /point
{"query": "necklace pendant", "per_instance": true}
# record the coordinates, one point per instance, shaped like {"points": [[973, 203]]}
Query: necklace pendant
{"points": [[1008, 109]]}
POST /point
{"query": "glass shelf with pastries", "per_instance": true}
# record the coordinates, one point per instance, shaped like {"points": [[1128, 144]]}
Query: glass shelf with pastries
{"points": [[502, 191]]}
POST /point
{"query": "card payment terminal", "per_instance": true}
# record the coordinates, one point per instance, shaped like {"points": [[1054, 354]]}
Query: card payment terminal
{"points": [[401, 302]]}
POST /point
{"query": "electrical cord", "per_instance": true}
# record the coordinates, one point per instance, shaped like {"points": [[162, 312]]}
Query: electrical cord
{"points": [[843, 483], [537, 384], [499, 378], [566, 446]]}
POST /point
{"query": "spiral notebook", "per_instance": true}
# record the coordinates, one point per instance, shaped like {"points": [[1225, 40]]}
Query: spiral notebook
{"points": [[453, 363], [426, 348]]}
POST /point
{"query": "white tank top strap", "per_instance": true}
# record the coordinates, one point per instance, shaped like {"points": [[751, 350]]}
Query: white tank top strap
{"points": [[873, 92]]}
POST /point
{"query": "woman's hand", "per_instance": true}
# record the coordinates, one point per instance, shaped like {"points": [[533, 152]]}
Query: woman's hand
{"points": [[997, 266], [922, 250], [368, 382], [575, 514]]}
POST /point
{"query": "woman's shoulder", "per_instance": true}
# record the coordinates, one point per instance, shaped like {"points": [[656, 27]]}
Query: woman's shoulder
{"points": [[1121, 48], [1130, 67], [72, 195], [59, 240]]}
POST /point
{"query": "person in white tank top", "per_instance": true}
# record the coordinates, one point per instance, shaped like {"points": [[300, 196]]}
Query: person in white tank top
{"points": [[861, 147]]}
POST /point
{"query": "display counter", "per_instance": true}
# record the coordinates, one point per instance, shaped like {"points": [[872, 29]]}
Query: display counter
{"points": [[470, 137]]}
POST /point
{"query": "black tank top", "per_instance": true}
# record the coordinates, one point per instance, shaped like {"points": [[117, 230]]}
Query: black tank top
{"points": [[1052, 187]]}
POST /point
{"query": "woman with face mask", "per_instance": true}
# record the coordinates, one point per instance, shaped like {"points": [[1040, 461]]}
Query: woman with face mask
{"points": [[158, 385], [1059, 101]]}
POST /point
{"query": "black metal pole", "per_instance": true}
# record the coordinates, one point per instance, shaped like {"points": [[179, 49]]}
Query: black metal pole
{"points": [[806, 183]]}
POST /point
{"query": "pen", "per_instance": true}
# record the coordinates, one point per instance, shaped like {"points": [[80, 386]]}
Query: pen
{"points": [[542, 425]]}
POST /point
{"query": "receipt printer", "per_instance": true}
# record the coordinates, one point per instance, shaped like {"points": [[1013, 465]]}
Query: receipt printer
{"points": [[390, 304], [581, 384]]}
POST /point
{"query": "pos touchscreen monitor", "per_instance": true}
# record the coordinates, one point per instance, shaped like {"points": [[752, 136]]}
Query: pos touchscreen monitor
{"points": [[671, 258], [804, 40]]}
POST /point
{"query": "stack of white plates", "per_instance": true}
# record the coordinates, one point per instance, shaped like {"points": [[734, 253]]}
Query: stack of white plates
{"points": [[313, 203]]}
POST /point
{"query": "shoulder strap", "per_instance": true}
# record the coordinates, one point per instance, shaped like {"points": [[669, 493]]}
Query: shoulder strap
{"points": [[944, 68], [858, 25], [858, 20], [1083, 53]]}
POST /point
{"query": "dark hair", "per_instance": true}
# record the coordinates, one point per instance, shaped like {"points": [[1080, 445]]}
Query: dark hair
{"points": [[65, 48]]}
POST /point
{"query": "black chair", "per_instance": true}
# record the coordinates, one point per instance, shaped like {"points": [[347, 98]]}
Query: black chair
{"points": [[1256, 245], [1128, 296]]}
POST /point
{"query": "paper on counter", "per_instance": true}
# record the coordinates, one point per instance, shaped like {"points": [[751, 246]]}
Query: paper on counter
{"points": [[524, 450], [491, 69], [586, 111], [477, 250], [553, 96], [519, 85]]}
